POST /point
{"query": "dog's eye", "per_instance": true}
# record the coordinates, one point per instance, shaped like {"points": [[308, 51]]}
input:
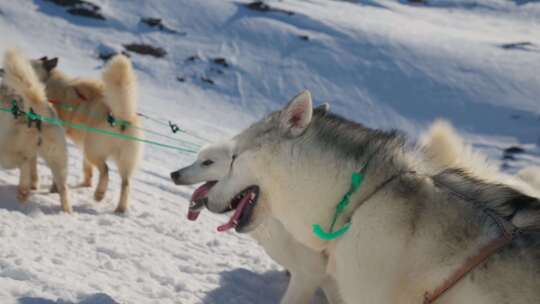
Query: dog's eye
{"points": [[207, 163]]}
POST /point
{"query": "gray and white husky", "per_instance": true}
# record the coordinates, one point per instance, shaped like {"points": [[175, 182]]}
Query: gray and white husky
{"points": [[412, 224], [306, 266]]}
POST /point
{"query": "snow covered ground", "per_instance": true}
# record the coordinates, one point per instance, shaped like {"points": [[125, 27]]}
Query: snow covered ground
{"points": [[384, 63]]}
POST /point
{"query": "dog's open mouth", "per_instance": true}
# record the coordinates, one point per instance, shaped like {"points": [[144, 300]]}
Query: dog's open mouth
{"points": [[242, 205], [199, 199]]}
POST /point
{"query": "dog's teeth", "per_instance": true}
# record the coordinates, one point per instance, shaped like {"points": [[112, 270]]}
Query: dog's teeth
{"points": [[252, 196]]}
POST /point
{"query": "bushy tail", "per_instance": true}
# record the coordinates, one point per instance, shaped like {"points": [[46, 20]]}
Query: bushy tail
{"points": [[21, 77], [120, 83], [446, 149]]}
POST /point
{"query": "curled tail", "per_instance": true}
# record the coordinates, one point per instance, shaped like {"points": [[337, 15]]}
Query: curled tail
{"points": [[21, 77], [447, 149], [120, 87]]}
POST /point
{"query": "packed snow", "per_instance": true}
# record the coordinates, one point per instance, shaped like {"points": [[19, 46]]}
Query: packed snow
{"points": [[387, 64]]}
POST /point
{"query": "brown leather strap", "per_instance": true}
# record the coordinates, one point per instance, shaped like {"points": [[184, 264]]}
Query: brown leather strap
{"points": [[509, 232]]}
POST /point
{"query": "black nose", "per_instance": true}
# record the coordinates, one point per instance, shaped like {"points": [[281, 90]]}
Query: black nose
{"points": [[175, 175]]}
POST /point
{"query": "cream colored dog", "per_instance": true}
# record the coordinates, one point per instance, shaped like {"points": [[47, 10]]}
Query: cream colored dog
{"points": [[22, 140], [94, 104]]}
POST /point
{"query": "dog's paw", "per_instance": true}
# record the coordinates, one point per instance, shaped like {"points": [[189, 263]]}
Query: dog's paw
{"points": [[120, 210], [99, 196], [67, 209], [22, 194], [35, 185], [53, 189]]}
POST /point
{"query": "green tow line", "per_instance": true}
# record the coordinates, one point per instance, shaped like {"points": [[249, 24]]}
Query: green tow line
{"points": [[356, 181], [35, 117]]}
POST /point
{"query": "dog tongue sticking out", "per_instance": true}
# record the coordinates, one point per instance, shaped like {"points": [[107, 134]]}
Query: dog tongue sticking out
{"points": [[234, 220], [242, 206], [197, 200]]}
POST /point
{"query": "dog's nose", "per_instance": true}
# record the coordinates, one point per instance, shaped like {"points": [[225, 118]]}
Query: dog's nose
{"points": [[175, 175]]}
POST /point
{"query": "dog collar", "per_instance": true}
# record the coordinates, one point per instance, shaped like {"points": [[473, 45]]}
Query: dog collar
{"points": [[356, 181]]}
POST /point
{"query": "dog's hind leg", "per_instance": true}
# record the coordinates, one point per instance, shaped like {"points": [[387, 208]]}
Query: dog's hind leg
{"points": [[25, 182], [103, 182], [125, 168], [34, 174], [87, 173]]}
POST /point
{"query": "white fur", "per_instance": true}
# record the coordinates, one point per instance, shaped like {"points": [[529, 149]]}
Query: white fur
{"points": [[121, 88], [447, 149], [20, 76]]}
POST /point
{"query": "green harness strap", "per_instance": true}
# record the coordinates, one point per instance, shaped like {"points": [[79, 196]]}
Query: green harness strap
{"points": [[356, 181], [36, 117]]}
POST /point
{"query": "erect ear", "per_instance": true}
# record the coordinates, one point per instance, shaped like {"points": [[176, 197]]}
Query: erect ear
{"points": [[44, 58], [296, 116], [324, 108], [50, 64]]}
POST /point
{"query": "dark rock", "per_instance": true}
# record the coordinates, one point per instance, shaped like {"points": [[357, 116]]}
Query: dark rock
{"points": [[258, 6], [85, 13], [80, 8], [221, 61], [193, 58], [181, 79], [514, 150], [261, 6], [158, 23], [208, 80], [145, 49], [523, 45], [304, 37]]}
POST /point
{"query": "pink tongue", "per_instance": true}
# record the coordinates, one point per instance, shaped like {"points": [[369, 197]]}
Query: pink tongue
{"points": [[193, 215], [233, 222], [198, 194], [202, 191]]}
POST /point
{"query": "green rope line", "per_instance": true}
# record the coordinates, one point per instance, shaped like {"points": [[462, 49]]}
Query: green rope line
{"points": [[126, 123], [54, 121], [356, 181]]}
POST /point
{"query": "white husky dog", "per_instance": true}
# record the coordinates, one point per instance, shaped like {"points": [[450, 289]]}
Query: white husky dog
{"points": [[21, 139], [416, 233], [307, 267]]}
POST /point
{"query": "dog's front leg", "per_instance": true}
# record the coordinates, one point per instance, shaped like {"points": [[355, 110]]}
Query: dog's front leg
{"points": [[301, 289], [25, 181]]}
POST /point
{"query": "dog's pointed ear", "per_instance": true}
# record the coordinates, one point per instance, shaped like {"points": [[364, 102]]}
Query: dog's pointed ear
{"points": [[44, 58], [50, 64], [296, 116], [324, 108]]}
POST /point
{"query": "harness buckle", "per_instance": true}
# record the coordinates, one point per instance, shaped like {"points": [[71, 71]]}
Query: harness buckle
{"points": [[174, 127]]}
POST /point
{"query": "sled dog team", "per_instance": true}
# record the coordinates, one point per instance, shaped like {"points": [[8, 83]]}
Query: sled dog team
{"points": [[40, 87], [431, 222]]}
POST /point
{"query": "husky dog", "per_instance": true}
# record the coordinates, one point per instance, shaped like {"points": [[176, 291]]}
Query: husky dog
{"points": [[307, 267], [110, 105], [411, 226], [21, 139]]}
